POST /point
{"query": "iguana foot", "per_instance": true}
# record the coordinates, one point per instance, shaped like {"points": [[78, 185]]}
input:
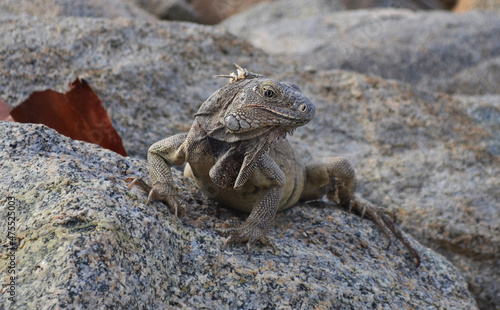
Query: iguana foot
{"points": [[162, 192], [385, 220], [248, 233]]}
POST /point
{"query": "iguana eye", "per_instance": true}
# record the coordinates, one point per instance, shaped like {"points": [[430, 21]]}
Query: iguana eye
{"points": [[269, 93]]}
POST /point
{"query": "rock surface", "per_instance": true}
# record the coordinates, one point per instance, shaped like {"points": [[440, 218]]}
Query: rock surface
{"points": [[436, 51], [169, 9], [148, 70], [432, 158], [76, 8], [86, 241], [213, 11], [407, 4]]}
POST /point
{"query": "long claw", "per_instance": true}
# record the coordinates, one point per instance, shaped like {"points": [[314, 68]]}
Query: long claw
{"points": [[249, 251], [175, 211], [393, 217], [266, 241], [134, 182], [228, 240], [389, 242], [150, 196]]}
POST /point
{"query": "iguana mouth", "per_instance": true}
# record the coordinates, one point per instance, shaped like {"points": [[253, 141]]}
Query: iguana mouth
{"points": [[286, 114]]}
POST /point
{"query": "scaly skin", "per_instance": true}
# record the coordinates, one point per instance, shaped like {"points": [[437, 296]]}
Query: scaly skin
{"points": [[237, 153]]}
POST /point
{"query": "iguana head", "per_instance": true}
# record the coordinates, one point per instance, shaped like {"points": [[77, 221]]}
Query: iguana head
{"points": [[252, 106]]}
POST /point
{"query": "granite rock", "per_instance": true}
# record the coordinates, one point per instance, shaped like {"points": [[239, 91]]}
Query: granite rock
{"points": [[401, 4], [141, 70], [435, 51], [213, 11], [432, 158], [85, 241], [269, 12], [169, 9], [76, 8]]}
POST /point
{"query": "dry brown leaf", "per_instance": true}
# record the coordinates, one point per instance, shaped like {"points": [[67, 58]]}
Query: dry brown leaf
{"points": [[78, 114]]}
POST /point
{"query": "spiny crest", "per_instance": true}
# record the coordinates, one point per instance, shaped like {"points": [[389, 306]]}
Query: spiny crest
{"points": [[241, 74]]}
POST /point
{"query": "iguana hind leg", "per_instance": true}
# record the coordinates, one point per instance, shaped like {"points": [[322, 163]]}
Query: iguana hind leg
{"points": [[335, 178]]}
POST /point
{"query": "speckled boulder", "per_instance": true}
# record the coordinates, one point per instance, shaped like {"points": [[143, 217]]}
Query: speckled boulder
{"points": [[426, 49], [140, 69], [407, 4], [85, 241], [432, 158], [77, 8], [169, 9]]}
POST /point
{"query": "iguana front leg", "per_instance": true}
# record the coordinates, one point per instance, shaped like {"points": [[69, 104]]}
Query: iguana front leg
{"points": [[335, 178], [161, 156], [269, 176]]}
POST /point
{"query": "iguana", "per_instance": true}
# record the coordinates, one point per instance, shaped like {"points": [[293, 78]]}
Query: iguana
{"points": [[237, 153]]}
